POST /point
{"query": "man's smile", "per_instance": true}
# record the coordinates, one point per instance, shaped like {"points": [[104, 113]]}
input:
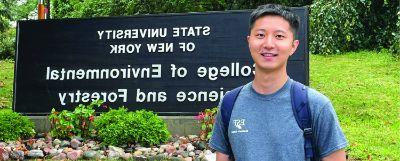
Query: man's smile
{"points": [[266, 54]]}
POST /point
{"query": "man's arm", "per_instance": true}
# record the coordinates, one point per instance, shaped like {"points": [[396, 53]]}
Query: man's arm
{"points": [[222, 157], [339, 155]]}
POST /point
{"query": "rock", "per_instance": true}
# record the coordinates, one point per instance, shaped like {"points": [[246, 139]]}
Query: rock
{"points": [[61, 156], [161, 150], [173, 139], [3, 154], [179, 152], [74, 155], [118, 150], [176, 145], [114, 148], [193, 137], [91, 144], [129, 150], [176, 159], [152, 153], [187, 159], [160, 156], [191, 154], [41, 139], [198, 152], [182, 147], [8, 149], [164, 146], [35, 154], [144, 150], [39, 144], [54, 152], [185, 154], [137, 153], [127, 156], [67, 150], [17, 155], [77, 138], [75, 143], [20, 147], [201, 146], [64, 143], [83, 148], [100, 156], [49, 144], [2, 144], [95, 148], [47, 150], [113, 155], [56, 142], [89, 154], [154, 149], [209, 155], [183, 140], [170, 149], [190, 147]]}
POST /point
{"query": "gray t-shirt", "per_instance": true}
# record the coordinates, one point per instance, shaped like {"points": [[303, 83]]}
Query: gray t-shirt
{"points": [[263, 127]]}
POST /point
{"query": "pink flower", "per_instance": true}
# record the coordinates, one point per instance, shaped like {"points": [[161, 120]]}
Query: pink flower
{"points": [[200, 116]]}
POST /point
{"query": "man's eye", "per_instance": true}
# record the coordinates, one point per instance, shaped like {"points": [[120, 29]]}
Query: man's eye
{"points": [[260, 35], [280, 36]]}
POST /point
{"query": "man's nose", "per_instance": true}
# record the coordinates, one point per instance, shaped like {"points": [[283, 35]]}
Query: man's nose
{"points": [[268, 42]]}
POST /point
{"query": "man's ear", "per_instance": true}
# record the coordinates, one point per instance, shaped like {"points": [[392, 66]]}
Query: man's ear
{"points": [[248, 37], [295, 44]]}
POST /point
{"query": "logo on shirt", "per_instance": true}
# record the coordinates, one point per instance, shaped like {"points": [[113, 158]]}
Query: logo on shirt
{"points": [[239, 124]]}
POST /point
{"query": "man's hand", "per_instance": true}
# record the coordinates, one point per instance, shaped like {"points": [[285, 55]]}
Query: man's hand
{"points": [[339, 155], [221, 156]]}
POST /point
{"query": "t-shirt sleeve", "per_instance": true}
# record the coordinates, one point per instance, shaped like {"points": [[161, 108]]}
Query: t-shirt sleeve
{"points": [[218, 139], [329, 135]]}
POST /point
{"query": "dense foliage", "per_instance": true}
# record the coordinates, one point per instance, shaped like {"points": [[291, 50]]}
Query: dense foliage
{"points": [[67, 124], [11, 10], [118, 126], [14, 126], [95, 8], [395, 48], [337, 26]]}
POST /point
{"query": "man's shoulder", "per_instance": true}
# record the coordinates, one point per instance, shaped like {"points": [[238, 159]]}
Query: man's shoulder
{"points": [[317, 99], [313, 94]]}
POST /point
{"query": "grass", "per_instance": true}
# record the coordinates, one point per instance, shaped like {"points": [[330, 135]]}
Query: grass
{"points": [[365, 90], [6, 83], [363, 86]]}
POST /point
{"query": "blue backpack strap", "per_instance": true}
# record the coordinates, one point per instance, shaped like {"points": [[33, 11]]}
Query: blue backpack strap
{"points": [[226, 110], [302, 113]]}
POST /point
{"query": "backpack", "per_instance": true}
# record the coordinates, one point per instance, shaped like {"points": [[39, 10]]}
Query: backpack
{"points": [[301, 110]]}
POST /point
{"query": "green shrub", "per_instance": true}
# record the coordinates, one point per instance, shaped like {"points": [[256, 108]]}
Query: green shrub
{"points": [[13, 126], [67, 124], [395, 48], [334, 26], [7, 43], [338, 26], [119, 126]]}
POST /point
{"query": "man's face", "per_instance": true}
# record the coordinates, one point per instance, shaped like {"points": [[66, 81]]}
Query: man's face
{"points": [[271, 42]]}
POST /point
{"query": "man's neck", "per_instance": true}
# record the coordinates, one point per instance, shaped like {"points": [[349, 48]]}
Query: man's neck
{"points": [[269, 82]]}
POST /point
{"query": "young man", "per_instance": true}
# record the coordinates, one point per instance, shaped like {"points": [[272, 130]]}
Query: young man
{"points": [[262, 124]]}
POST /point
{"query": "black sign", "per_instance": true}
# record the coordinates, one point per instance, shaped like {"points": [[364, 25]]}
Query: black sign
{"points": [[174, 64]]}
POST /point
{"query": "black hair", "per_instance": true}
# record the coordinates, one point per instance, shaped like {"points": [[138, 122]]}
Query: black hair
{"points": [[275, 10]]}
